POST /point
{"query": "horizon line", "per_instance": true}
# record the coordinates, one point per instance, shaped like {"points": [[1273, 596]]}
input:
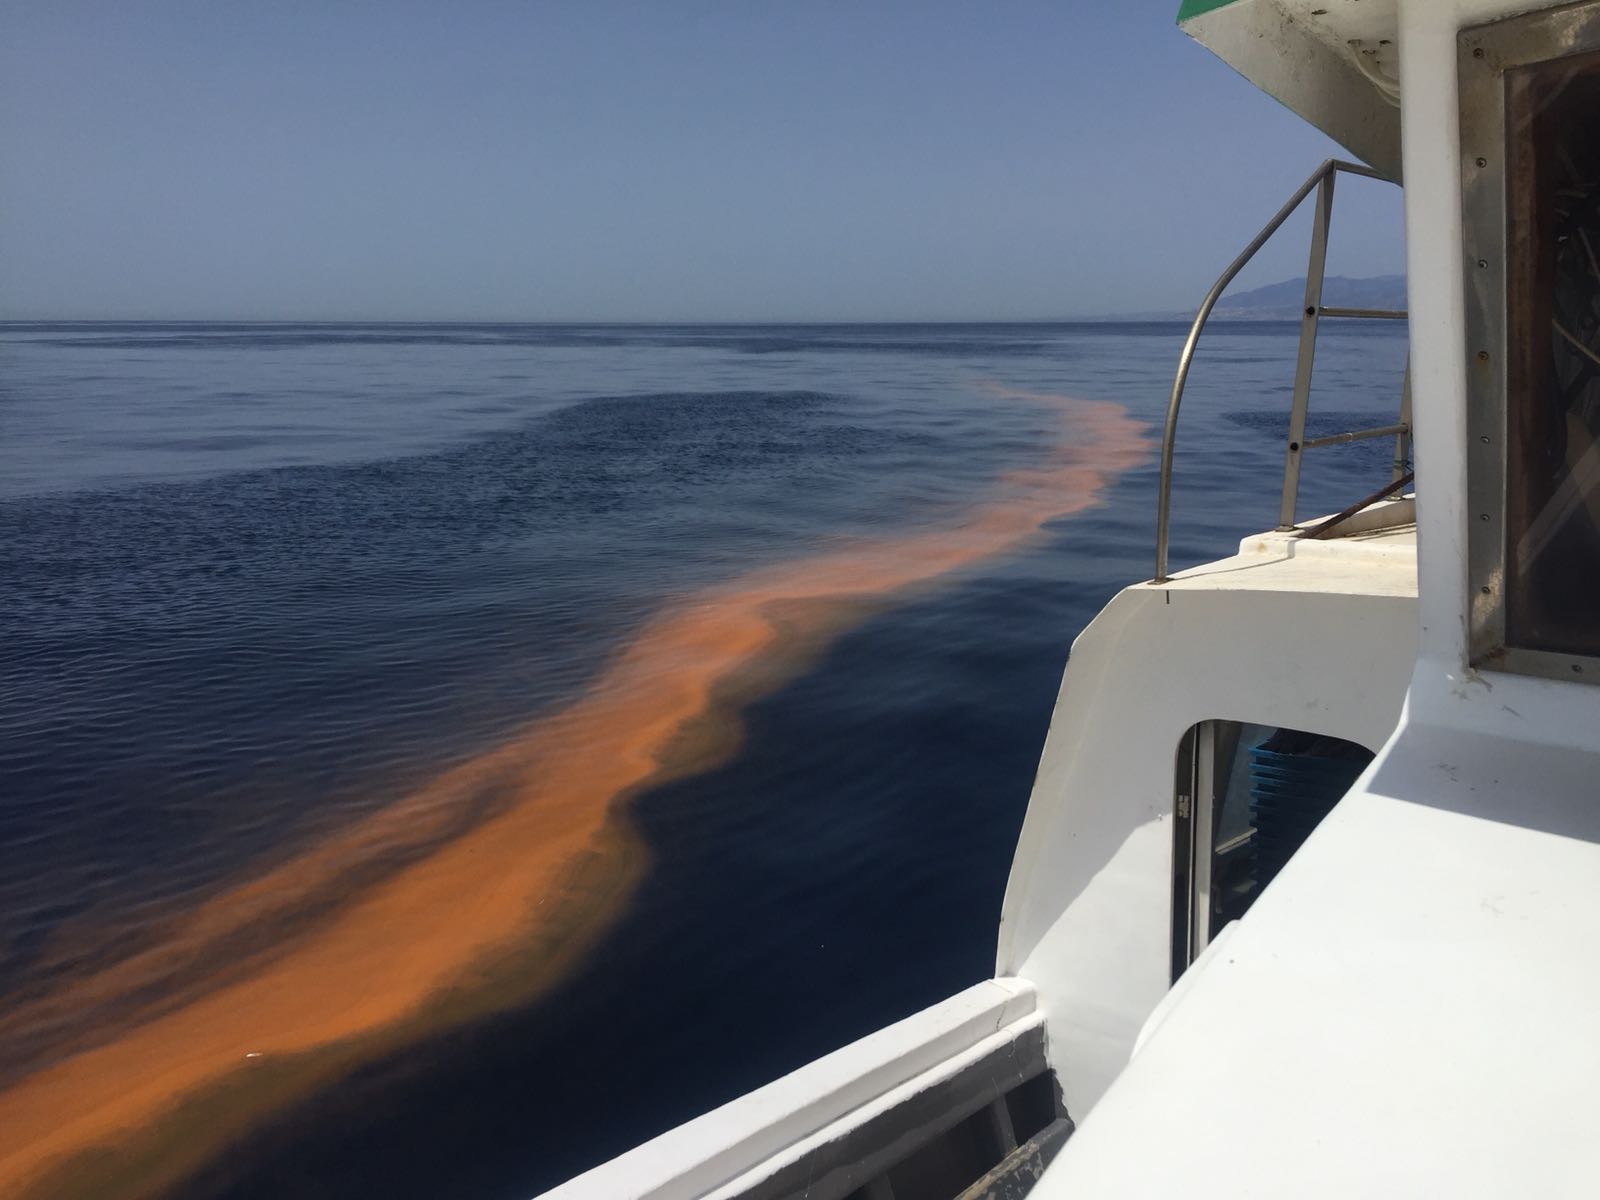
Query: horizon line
{"points": [[1157, 316]]}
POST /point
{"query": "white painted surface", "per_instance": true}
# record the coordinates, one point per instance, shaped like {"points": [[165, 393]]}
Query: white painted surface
{"points": [[1437, 329], [1408, 1010], [1308, 635], [746, 1140], [1322, 58], [1445, 691]]}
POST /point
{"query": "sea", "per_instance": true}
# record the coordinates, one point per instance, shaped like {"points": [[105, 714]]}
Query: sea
{"points": [[436, 758]]}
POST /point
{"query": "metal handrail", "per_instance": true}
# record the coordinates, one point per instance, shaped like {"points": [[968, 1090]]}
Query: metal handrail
{"points": [[1321, 181], [1371, 314], [1357, 435]]}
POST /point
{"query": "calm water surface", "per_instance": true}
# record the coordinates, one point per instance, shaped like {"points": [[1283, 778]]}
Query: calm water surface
{"points": [[262, 580]]}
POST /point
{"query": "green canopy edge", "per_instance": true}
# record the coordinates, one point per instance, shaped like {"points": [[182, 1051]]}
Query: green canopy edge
{"points": [[1194, 8]]}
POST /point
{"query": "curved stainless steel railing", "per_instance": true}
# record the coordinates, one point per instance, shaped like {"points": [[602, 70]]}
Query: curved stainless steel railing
{"points": [[1321, 181]]}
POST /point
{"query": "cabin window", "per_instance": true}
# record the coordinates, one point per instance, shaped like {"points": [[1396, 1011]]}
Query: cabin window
{"points": [[1553, 365], [1247, 797], [1530, 108]]}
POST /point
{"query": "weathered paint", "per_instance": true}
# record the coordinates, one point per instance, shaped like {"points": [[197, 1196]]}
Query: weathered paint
{"points": [[733, 1149], [1320, 59]]}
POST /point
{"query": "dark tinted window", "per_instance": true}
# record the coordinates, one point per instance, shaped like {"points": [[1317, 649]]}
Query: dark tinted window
{"points": [[1552, 552]]}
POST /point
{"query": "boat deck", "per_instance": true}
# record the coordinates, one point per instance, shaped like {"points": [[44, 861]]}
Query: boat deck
{"points": [[1376, 556]]}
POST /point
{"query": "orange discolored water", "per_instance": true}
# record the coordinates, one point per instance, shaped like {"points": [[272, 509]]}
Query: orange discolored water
{"points": [[509, 866]]}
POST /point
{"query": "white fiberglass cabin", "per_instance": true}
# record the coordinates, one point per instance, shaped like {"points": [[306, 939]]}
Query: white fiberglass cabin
{"points": [[1343, 936]]}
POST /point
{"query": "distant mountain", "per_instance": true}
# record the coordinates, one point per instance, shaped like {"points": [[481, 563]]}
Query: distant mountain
{"points": [[1283, 301]]}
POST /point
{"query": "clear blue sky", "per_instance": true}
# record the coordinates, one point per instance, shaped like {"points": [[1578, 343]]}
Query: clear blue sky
{"points": [[655, 161]]}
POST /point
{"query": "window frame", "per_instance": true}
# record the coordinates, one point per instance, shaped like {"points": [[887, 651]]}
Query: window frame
{"points": [[1485, 53], [1211, 756]]}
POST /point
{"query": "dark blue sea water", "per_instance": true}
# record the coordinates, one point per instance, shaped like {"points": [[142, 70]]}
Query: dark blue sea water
{"points": [[259, 580]]}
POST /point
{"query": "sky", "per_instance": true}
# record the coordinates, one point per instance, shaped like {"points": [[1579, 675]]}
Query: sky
{"points": [[667, 161]]}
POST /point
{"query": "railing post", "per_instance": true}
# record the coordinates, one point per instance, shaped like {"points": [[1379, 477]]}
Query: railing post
{"points": [[1316, 267], [1402, 441]]}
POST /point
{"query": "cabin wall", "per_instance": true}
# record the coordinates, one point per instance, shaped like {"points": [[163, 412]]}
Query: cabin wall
{"points": [[1445, 691], [1088, 910]]}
